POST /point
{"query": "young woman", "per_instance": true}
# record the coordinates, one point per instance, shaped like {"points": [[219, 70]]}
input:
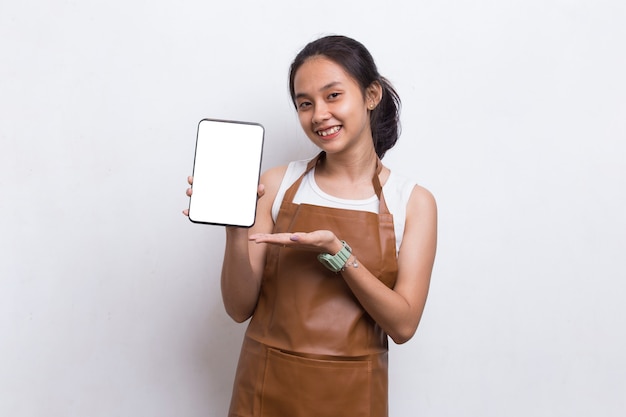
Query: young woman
{"points": [[340, 256]]}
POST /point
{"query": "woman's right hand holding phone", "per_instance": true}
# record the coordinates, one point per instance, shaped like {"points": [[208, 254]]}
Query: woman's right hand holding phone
{"points": [[188, 192]]}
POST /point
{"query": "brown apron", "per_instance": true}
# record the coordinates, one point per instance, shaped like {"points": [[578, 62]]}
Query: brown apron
{"points": [[310, 349]]}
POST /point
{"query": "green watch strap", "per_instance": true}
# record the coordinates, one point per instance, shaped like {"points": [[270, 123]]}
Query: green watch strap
{"points": [[336, 262]]}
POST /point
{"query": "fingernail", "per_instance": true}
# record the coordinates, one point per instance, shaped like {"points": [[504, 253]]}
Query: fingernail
{"points": [[294, 238]]}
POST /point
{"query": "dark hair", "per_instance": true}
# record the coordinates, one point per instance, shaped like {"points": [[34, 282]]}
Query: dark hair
{"points": [[356, 60]]}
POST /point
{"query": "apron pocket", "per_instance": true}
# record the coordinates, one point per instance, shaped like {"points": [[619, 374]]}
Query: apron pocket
{"points": [[296, 386]]}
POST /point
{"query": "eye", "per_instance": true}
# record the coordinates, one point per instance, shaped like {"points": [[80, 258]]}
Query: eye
{"points": [[303, 105], [333, 95]]}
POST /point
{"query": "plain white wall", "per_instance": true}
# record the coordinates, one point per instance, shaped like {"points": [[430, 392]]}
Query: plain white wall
{"points": [[514, 117]]}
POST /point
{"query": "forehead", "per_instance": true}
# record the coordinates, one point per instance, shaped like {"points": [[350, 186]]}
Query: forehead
{"points": [[318, 72]]}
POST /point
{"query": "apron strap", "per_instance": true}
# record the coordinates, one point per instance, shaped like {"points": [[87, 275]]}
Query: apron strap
{"points": [[378, 189]]}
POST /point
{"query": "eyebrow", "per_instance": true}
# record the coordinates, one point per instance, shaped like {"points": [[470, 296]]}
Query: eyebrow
{"points": [[326, 87]]}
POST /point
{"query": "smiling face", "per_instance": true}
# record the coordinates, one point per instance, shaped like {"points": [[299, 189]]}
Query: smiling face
{"points": [[333, 111]]}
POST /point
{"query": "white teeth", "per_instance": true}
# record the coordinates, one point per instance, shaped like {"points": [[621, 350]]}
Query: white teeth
{"points": [[330, 131]]}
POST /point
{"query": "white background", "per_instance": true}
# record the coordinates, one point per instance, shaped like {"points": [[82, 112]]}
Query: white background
{"points": [[514, 117]]}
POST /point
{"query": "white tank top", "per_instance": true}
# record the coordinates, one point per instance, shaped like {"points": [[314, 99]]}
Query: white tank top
{"points": [[397, 192]]}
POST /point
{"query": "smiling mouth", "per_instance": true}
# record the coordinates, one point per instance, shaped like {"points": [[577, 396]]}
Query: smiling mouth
{"points": [[329, 131]]}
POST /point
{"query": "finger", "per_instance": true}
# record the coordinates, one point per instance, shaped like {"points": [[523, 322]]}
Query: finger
{"points": [[260, 190], [259, 238], [189, 192], [276, 238], [190, 180], [186, 212]]}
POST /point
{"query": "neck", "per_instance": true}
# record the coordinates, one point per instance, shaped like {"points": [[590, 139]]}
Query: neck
{"points": [[354, 166]]}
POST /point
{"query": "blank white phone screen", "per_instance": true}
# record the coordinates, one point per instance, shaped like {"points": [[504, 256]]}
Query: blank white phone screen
{"points": [[226, 171]]}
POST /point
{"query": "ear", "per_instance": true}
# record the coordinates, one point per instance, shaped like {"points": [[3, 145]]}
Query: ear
{"points": [[373, 95]]}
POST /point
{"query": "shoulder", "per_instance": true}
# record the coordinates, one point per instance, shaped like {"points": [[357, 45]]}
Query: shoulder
{"points": [[277, 179], [273, 177], [269, 184], [421, 206], [271, 180], [412, 193], [414, 202], [419, 242]]}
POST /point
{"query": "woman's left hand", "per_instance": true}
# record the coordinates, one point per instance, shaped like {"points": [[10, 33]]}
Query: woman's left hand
{"points": [[319, 240]]}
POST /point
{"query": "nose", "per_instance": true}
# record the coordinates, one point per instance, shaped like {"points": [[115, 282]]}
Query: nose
{"points": [[320, 113]]}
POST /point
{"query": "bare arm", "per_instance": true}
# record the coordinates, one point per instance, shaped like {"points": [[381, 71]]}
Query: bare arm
{"points": [[243, 265], [397, 311]]}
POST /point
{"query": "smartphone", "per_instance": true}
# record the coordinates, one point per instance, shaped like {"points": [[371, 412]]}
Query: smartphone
{"points": [[226, 171]]}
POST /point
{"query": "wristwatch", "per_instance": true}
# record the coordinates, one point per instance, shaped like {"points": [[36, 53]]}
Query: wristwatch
{"points": [[337, 261]]}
